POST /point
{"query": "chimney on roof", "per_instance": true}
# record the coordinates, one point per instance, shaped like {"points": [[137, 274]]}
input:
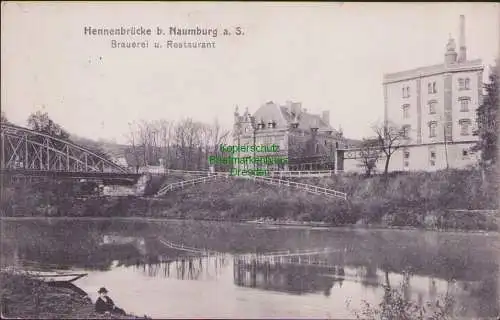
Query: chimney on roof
{"points": [[296, 108], [325, 116], [462, 55]]}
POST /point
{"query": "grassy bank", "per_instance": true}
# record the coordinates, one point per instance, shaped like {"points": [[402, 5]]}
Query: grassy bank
{"points": [[440, 200], [23, 297]]}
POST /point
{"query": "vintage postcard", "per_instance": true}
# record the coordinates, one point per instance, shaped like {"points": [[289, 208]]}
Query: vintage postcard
{"points": [[249, 160]]}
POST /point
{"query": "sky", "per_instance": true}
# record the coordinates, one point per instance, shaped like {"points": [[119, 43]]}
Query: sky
{"points": [[329, 56]]}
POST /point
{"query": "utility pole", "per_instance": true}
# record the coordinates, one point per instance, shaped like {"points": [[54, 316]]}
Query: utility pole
{"points": [[445, 145], [239, 133], [254, 126]]}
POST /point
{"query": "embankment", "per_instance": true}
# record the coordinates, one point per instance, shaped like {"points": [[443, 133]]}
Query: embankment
{"points": [[440, 200], [26, 298]]}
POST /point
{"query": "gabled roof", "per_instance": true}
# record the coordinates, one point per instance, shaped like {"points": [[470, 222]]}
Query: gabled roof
{"points": [[283, 116], [306, 120]]}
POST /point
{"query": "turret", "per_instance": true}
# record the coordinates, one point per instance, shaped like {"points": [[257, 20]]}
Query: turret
{"points": [[450, 56]]}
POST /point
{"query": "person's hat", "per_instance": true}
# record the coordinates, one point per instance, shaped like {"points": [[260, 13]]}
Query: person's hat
{"points": [[102, 290]]}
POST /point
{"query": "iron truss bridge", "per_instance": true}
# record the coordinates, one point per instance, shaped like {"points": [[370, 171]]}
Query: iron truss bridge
{"points": [[32, 153]]}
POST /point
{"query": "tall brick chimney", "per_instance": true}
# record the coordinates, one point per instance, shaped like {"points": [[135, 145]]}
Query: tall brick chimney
{"points": [[325, 116], [296, 108], [462, 53]]}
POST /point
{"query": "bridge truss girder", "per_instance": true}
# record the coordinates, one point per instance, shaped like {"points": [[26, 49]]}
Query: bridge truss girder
{"points": [[25, 149]]}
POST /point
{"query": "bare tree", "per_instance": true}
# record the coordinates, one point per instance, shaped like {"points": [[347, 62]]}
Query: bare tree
{"points": [[181, 142], [390, 138], [183, 145], [3, 118], [132, 140], [214, 136], [165, 141], [369, 155]]}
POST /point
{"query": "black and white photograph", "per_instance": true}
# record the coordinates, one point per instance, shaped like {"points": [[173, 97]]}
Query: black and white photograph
{"points": [[249, 160]]}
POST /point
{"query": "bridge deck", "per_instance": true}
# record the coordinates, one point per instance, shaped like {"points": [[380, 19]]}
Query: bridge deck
{"points": [[128, 178]]}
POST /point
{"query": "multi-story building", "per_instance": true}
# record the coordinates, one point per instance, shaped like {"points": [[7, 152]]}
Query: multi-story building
{"points": [[436, 108], [307, 141]]}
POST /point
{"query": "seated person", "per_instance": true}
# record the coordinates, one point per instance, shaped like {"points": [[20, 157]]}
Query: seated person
{"points": [[104, 304]]}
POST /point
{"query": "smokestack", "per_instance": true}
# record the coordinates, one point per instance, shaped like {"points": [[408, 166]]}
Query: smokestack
{"points": [[325, 116], [462, 56]]}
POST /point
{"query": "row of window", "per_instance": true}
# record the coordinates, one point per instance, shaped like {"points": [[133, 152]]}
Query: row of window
{"points": [[463, 84], [432, 156], [464, 124], [464, 106]]}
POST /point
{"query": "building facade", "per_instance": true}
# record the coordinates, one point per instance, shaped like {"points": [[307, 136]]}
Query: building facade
{"points": [[436, 108], [307, 141]]}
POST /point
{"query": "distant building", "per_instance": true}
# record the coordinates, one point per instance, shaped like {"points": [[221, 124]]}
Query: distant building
{"points": [[436, 108], [307, 141]]}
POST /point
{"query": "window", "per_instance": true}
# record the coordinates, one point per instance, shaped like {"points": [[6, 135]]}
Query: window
{"points": [[431, 87], [406, 92], [406, 158], [464, 127], [463, 84], [406, 111], [406, 131], [432, 129], [465, 154], [464, 104], [432, 107], [432, 157]]}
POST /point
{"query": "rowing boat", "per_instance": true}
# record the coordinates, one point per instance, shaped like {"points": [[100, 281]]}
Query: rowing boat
{"points": [[56, 276]]}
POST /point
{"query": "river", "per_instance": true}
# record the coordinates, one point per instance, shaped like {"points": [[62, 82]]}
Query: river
{"points": [[145, 276]]}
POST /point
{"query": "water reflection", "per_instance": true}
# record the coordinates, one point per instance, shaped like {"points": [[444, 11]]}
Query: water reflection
{"points": [[463, 265], [185, 268], [295, 278]]}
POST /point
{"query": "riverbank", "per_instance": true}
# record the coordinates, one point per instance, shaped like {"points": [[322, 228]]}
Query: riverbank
{"points": [[450, 200], [23, 297], [274, 224]]}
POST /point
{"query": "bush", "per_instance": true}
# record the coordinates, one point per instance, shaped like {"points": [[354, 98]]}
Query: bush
{"points": [[407, 198], [396, 305]]}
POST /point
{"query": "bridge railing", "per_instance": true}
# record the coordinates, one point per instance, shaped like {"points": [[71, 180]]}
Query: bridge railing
{"points": [[299, 174], [164, 171], [303, 186], [183, 247], [273, 181], [192, 182]]}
